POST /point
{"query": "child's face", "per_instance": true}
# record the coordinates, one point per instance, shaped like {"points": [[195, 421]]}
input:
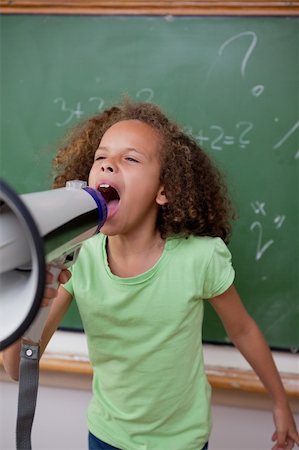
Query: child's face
{"points": [[126, 170]]}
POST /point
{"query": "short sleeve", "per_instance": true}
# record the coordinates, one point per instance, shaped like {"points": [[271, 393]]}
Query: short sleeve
{"points": [[220, 273]]}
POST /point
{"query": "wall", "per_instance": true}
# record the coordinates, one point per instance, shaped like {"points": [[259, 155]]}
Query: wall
{"points": [[60, 422]]}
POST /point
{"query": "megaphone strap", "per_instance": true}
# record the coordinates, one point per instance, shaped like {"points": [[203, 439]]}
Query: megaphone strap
{"points": [[28, 387]]}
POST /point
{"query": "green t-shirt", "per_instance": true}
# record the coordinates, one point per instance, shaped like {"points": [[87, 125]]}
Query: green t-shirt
{"points": [[144, 335]]}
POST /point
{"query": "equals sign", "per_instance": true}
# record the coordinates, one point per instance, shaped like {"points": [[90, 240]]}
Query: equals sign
{"points": [[228, 140]]}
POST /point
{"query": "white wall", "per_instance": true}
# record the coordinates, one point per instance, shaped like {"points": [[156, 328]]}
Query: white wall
{"points": [[59, 422]]}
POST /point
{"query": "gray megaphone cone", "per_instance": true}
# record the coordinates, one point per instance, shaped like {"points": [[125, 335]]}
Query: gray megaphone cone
{"points": [[36, 229]]}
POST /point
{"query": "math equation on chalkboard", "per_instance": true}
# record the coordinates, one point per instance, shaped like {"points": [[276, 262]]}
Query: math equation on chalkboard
{"points": [[214, 137]]}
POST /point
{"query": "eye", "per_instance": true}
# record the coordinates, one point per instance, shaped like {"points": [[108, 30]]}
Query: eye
{"points": [[99, 157], [131, 159]]}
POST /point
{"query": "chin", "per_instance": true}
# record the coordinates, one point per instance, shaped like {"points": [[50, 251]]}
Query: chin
{"points": [[109, 231]]}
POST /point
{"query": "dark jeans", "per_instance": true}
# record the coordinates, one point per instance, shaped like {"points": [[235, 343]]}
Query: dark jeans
{"points": [[95, 444]]}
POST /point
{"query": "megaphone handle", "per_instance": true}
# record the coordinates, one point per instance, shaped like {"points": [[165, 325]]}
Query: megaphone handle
{"points": [[35, 330]]}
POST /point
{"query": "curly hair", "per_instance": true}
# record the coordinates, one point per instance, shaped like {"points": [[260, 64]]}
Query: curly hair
{"points": [[198, 201]]}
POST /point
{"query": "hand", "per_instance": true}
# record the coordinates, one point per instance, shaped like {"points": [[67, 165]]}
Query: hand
{"points": [[51, 292], [286, 434]]}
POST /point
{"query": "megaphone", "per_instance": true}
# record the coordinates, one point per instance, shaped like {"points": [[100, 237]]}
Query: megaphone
{"points": [[37, 229]]}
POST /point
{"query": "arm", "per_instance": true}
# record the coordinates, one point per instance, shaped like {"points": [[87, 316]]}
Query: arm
{"points": [[61, 302], [247, 337]]}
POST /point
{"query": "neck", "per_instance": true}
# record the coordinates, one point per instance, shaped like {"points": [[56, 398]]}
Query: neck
{"points": [[136, 244], [129, 256]]}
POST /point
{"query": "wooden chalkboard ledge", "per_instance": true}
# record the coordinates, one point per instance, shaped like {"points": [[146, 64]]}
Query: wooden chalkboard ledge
{"points": [[153, 7], [218, 376]]}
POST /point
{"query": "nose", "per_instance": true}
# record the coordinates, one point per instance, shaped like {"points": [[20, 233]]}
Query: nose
{"points": [[108, 166]]}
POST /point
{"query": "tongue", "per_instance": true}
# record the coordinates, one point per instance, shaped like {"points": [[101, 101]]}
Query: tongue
{"points": [[112, 207]]}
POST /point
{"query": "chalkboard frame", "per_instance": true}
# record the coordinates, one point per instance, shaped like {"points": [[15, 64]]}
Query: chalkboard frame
{"points": [[152, 7]]}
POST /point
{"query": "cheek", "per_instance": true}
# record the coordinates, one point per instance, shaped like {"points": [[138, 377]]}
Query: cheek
{"points": [[91, 178], [145, 191]]}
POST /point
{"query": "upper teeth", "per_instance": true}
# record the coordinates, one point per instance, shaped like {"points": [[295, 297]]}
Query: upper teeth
{"points": [[104, 185]]}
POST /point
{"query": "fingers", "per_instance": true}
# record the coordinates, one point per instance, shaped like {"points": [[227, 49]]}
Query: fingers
{"points": [[64, 276], [274, 436], [288, 439], [286, 434], [295, 435], [51, 292], [283, 442], [289, 444]]}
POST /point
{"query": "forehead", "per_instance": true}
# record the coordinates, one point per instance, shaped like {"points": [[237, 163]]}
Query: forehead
{"points": [[132, 130]]}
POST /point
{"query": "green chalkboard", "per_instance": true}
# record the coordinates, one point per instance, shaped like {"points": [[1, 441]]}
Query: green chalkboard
{"points": [[230, 81]]}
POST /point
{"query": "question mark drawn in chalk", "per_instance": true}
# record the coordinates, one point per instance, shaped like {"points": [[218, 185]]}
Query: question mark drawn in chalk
{"points": [[259, 88]]}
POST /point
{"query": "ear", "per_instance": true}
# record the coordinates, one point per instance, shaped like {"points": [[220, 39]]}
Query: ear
{"points": [[161, 198]]}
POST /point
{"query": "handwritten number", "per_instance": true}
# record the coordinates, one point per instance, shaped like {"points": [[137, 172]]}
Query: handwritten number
{"points": [[100, 101], [71, 113], [149, 94], [260, 249], [218, 137]]}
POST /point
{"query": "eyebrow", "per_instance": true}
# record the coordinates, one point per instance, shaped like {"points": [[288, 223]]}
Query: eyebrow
{"points": [[130, 149]]}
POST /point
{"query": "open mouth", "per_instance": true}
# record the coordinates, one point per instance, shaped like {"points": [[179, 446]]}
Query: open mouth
{"points": [[108, 192], [111, 197]]}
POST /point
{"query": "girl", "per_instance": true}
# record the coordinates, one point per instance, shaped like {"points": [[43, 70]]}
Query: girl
{"points": [[142, 282]]}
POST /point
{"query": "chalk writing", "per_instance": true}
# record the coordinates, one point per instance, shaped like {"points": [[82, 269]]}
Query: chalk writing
{"points": [[286, 137], [245, 128], [258, 89], [68, 113], [260, 249], [145, 94], [279, 221], [100, 102], [216, 138], [259, 208]]}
